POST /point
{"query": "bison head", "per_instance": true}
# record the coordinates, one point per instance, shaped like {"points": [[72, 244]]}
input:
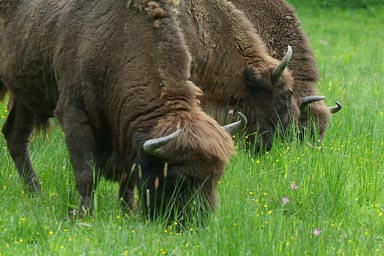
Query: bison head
{"points": [[177, 174], [268, 102], [315, 116]]}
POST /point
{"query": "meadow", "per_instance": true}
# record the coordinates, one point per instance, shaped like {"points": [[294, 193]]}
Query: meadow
{"points": [[293, 200]]}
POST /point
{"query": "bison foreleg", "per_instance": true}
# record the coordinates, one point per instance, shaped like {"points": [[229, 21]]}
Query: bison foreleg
{"points": [[17, 129], [81, 143]]}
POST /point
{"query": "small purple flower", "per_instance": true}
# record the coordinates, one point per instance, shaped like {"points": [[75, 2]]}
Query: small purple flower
{"points": [[284, 200], [231, 112], [316, 232], [294, 186]]}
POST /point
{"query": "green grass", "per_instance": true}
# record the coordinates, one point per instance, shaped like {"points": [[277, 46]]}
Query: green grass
{"points": [[340, 187]]}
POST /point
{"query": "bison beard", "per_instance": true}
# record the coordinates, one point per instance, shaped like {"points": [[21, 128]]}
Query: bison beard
{"points": [[114, 77]]}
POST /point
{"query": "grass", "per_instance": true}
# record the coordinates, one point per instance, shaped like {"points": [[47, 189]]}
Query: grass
{"points": [[336, 209]]}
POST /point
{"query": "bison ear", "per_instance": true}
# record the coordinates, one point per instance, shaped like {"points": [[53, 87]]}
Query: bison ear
{"points": [[252, 79], [138, 140]]}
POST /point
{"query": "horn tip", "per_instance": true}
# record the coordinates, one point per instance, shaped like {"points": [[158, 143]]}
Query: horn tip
{"points": [[243, 118], [336, 108]]}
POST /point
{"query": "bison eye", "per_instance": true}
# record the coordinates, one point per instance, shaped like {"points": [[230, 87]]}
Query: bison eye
{"points": [[288, 95]]}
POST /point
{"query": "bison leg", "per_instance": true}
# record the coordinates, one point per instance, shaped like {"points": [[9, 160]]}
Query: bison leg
{"points": [[81, 143], [17, 129]]}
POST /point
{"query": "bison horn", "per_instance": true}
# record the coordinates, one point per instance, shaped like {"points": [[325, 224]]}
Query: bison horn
{"points": [[278, 71], [336, 108], [308, 100], [237, 126], [153, 146]]}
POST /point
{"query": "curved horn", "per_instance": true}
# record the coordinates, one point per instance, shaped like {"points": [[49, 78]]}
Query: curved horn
{"points": [[153, 146], [278, 71], [336, 108], [237, 126], [308, 100]]}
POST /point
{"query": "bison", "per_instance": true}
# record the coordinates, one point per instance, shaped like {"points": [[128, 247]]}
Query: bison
{"points": [[235, 65], [234, 69], [278, 25], [116, 74]]}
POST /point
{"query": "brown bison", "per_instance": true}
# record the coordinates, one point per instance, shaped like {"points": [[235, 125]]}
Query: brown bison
{"points": [[237, 67], [116, 76], [278, 25], [234, 69]]}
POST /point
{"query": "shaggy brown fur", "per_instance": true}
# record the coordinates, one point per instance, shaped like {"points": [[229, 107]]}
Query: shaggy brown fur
{"points": [[233, 67], [113, 80], [278, 25]]}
